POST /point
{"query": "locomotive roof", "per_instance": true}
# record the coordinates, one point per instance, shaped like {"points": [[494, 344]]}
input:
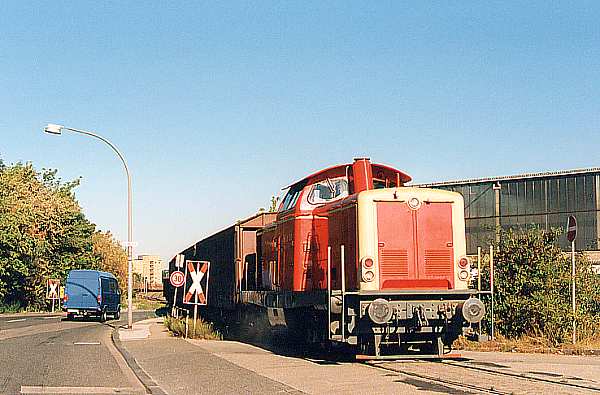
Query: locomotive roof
{"points": [[338, 170]]}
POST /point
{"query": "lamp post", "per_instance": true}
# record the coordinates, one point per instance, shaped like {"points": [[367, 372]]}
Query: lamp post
{"points": [[57, 129]]}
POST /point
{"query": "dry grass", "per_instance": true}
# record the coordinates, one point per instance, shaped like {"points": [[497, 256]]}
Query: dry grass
{"points": [[203, 330], [528, 344], [146, 304]]}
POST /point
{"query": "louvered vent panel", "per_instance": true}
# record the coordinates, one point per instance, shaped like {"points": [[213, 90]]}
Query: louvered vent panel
{"points": [[393, 263], [438, 262]]}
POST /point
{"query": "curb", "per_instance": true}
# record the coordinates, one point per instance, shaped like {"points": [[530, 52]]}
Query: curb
{"points": [[33, 314], [149, 384]]}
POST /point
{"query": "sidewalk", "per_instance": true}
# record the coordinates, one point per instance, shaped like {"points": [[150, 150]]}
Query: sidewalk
{"points": [[176, 366], [179, 366]]}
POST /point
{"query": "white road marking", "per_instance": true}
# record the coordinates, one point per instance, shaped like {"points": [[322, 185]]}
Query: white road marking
{"points": [[76, 390], [50, 318], [17, 320], [86, 343]]}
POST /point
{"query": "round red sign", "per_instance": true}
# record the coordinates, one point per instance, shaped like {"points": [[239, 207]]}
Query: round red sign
{"points": [[571, 228], [177, 278]]}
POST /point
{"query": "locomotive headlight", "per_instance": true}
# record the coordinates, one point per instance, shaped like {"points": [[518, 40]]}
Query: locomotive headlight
{"points": [[368, 275], [463, 262], [380, 311], [414, 203], [463, 275], [367, 262]]}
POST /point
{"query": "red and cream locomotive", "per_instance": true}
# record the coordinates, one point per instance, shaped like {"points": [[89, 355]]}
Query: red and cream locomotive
{"points": [[352, 256]]}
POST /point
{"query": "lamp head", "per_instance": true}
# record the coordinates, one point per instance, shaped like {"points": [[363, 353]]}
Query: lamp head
{"points": [[53, 129]]}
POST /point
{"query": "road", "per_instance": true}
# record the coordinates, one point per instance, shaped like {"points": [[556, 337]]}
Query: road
{"points": [[24, 320], [47, 354]]}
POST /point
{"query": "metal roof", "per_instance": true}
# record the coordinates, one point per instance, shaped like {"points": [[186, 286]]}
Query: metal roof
{"points": [[513, 177], [403, 176]]}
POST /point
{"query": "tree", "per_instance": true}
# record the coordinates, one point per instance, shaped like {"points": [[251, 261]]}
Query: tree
{"points": [[43, 233], [111, 256], [273, 204]]}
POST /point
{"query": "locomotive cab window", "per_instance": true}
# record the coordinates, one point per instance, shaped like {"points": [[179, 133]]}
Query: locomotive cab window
{"points": [[383, 183], [328, 190], [291, 197]]}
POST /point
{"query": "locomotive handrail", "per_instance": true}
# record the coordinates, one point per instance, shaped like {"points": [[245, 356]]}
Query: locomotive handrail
{"points": [[342, 253], [342, 292], [329, 292]]}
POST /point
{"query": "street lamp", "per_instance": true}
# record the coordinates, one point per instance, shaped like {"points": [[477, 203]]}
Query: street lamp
{"points": [[57, 129]]}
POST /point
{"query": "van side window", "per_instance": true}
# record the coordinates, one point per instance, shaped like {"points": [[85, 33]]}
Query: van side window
{"points": [[105, 285]]}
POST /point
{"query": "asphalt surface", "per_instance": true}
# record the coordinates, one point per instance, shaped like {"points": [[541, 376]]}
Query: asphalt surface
{"points": [[21, 321], [180, 367], [48, 351], [46, 354]]}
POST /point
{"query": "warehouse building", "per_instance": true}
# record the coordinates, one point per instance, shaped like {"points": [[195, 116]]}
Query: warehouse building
{"points": [[544, 199]]}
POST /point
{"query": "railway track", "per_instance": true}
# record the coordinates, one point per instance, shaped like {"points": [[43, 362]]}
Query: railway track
{"points": [[461, 377], [563, 382], [440, 384]]}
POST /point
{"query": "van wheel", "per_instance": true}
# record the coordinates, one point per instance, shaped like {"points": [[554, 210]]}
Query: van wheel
{"points": [[103, 316], [70, 316]]}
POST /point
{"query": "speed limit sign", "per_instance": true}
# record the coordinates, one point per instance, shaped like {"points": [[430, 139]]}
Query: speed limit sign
{"points": [[177, 278]]}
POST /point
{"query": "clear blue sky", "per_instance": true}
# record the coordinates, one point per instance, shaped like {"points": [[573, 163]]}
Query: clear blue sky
{"points": [[217, 107]]}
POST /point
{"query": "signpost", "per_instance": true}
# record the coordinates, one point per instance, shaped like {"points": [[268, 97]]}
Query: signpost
{"points": [[492, 287], [52, 290], [177, 278], [197, 272], [571, 236], [179, 262]]}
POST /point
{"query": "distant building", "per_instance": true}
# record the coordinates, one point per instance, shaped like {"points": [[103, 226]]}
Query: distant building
{"points": [[544, 199], [149, 268]]}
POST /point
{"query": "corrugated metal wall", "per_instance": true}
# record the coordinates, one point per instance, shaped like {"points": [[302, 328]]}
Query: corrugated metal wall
{"points": [[543, 201]]}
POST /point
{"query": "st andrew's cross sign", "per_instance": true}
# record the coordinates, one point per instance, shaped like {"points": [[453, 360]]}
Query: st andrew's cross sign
{"points": [[195, 285]]}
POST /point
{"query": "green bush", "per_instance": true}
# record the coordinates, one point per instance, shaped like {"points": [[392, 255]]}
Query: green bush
{"points": [[203, 330], [14, 307], [533, 287]]}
